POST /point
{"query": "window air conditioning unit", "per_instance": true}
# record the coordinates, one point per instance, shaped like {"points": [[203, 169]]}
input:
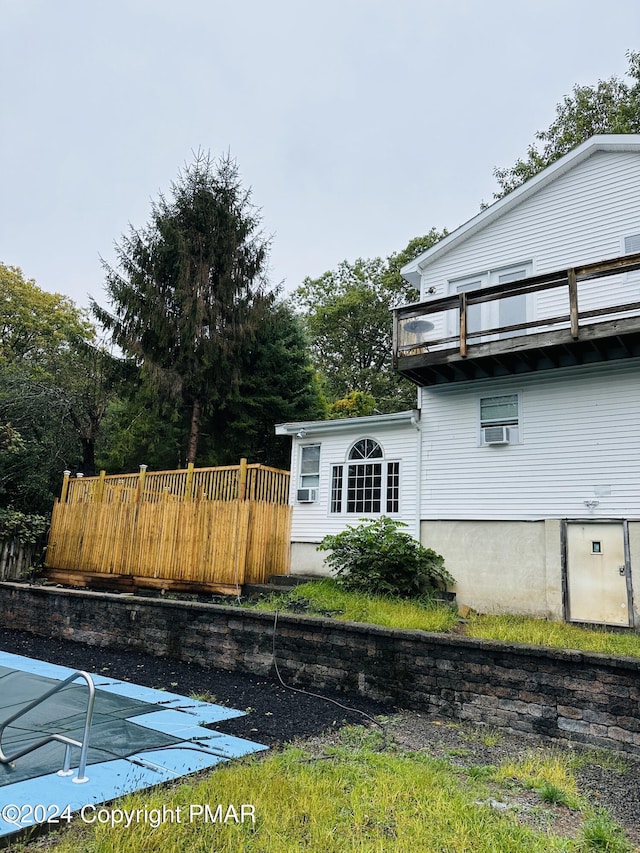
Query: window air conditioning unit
{"points": [[495, 435], [307, 496]]}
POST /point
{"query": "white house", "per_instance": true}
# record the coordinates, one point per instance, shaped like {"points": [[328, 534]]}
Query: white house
{"points": [[523, 467], [348, 469]]}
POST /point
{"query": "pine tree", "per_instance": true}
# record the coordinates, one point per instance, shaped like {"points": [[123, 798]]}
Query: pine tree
{"points": [[189, 289]]}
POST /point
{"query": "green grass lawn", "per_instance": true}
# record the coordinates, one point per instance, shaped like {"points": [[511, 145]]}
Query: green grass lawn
{"points": [[540, 632], [354, 797], [325, 597]]}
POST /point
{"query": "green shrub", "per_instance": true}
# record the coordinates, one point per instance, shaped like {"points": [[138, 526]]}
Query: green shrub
{"points": [[24, 528], [378, 558]]}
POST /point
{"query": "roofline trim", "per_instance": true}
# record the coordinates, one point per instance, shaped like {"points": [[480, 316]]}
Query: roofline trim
{"points": [[601, 142], [412, 416]]}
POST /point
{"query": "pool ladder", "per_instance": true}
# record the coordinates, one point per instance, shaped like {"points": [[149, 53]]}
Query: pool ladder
{"points": [[69, 742]]}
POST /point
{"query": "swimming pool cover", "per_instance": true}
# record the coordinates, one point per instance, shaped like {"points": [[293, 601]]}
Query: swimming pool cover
{"points": [[113, 735], [140, 737]]}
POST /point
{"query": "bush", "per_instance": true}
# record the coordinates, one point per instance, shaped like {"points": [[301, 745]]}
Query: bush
{"points": [[376, 557], [25, 529]]}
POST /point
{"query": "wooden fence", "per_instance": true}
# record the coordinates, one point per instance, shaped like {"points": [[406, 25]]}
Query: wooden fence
{"points": [[213, 529], [16, 558]]}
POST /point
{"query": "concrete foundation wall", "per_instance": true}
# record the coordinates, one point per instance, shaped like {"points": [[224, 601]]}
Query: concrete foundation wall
{"points": [[566, 695], [499, 566], [511, 566], [634, 559], [502, 566], [306, 560]]}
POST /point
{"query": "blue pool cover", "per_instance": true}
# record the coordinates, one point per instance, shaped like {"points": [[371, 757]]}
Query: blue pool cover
{"points": [[140, 737]]}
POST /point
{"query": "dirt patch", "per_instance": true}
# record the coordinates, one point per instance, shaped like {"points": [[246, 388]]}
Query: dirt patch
{"points": [[606, 779]]}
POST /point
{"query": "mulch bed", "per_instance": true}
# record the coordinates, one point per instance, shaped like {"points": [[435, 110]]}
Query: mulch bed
{"points": [[275, 714]]}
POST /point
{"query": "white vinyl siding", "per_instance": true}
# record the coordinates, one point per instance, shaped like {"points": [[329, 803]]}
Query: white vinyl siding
{"points": [[581, 217], [399, 443], [582, 442]]}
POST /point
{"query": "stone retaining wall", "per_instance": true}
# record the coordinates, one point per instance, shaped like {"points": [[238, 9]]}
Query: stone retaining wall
{"points": [[562, 694]]}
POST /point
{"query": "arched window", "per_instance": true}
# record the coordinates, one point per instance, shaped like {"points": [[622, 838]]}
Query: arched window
{"points": [[366, 448], [365, 484]]}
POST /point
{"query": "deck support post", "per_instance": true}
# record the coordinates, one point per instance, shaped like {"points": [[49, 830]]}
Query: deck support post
{"points": [[573, 303], [463, 325]]}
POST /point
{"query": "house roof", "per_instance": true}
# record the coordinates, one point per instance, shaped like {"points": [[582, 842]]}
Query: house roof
{"points": [[609, 142], [362, 424]]}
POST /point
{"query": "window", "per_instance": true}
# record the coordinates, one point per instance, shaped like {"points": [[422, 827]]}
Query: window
{"points": [[336, 489], [474, 312], [632, 244], [393, 486], [513, 310], [366, 483], [497, 312], [309, 466], [632, 277], [500, 419]]}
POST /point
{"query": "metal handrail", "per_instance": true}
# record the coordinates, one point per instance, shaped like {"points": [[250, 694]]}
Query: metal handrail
{"points": [[69, 742]]}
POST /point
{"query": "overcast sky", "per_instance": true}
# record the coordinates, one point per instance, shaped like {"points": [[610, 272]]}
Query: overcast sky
{"points": [[358, 125]]}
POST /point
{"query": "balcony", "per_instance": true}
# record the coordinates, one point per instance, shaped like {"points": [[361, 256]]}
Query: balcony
{"points": [[583, 315]]}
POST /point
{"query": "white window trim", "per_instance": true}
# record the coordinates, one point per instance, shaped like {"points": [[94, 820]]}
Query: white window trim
{"points": [[384, 462], [520, 427], [301, 475], [488, 278]]}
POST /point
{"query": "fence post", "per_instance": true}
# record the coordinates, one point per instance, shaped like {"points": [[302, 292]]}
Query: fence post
{"points": [[65, 486], [101, 485], [143, 471], [242, 484], [188, 486]]}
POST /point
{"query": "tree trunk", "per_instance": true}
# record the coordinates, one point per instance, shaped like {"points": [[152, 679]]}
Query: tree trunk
{"points": [[88, 456], [194, 432]]}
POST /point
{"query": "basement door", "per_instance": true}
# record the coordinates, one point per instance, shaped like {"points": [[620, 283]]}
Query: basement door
{"points": [[598, 573]]}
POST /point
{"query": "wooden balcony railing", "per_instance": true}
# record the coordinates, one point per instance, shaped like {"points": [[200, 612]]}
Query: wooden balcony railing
{"points": [[442, 327]]}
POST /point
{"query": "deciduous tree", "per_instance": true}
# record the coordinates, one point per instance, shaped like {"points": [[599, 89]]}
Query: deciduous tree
{"points": [[36, 326], [611, 106], [50, 392], [348, 316]]}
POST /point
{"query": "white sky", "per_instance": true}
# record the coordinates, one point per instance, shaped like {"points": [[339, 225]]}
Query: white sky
{"points": [[359, 124]]}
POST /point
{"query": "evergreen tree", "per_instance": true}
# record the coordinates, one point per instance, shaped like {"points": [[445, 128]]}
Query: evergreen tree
{"points": [[189, 290], [278, 385]]}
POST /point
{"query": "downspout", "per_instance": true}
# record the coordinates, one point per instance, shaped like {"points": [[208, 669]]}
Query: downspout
{"points": [[415, 422]]}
